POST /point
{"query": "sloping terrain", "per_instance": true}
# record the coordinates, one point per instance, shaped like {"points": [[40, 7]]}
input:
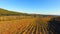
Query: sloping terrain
{"points": [[4, 12], [15, 23]]}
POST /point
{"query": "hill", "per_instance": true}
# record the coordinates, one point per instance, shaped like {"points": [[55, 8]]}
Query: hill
{"points": [[7, 12], [4, 12]]}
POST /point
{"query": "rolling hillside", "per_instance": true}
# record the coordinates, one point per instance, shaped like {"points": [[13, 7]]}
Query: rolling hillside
{"points": [[7, 12], [13, 23], [3, 11]]}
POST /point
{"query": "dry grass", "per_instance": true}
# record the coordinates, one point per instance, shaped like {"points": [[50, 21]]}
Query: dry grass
{"points": [[23, 25]]}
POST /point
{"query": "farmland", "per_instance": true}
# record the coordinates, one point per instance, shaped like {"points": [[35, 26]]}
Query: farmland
{"points": [[23, 25]]}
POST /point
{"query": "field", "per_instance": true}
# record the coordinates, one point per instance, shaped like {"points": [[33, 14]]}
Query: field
{"points": [[12, 22], [23, 25]]}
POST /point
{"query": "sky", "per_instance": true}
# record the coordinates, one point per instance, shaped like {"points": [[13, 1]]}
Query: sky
{"points": [[49, 7]]}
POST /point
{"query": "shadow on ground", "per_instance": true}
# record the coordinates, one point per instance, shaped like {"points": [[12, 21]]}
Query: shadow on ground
{"points": [[54, 26]]}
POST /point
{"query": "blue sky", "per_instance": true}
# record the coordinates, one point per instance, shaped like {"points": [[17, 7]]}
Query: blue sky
{"points": [[32, 6]]}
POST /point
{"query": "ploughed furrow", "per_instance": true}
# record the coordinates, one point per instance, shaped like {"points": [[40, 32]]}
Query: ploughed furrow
{"points": [[45, 29], [37, 32], [23, 30], [34, 30], [39, 29], [27, 29], [30, 31], [20, 29]]}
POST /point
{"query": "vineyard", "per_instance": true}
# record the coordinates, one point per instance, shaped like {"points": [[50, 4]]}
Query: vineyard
{"points": [[23, 25], [12, 22]]}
